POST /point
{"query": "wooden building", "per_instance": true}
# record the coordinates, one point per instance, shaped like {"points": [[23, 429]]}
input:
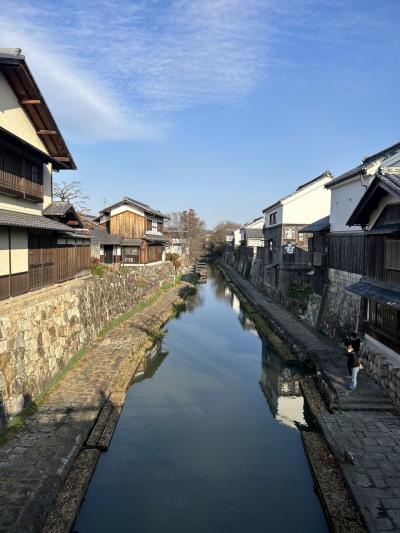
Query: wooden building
{"points": [[378, 214], [131, 232], [38, 247], [338, 251], [285, 255]]}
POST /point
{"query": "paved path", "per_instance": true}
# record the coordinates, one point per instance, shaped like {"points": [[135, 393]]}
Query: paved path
{"points": [[330, 360], [34, 464], [363, 434], [374, 479]]}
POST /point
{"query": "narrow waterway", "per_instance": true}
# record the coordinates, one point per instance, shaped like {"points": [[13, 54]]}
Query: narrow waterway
{"points": [[207, 441]]}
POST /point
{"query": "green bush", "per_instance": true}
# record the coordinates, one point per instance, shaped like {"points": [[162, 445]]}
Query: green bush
{"points": [[300, 290], [99, 269]]}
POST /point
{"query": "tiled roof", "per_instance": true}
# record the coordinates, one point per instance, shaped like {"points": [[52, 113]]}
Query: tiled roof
{"points": [[130, 201], [319, 225], [131, 242], [383, 294], [154, 238], [345, 176], [391, 178], [57, 209], [254, 233], [386, 179], [366, 161], [101, 236], [24, 220], [325, 174]]}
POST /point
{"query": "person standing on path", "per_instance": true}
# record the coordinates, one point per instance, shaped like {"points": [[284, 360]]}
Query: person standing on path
{"points": [[353, 362]]}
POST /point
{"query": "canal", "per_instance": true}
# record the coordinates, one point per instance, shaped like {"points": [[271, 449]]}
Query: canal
{"points": [[207, 441]]}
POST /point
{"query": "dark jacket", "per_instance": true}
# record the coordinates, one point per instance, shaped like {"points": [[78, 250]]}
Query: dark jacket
{"points": [[352, 359]]}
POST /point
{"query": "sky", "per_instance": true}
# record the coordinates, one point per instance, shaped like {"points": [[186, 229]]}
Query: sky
{"points": [[222, 106]]}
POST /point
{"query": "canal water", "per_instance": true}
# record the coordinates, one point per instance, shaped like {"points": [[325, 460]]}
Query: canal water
{"points": [[207, 441]]}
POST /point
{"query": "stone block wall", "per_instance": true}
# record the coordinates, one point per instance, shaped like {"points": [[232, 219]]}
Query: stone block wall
{"points": [[340, 308], [384, 369], [41, 331]]}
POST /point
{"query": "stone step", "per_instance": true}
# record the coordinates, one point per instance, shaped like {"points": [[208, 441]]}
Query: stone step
{"points": [[366, 407], [363, 398]]}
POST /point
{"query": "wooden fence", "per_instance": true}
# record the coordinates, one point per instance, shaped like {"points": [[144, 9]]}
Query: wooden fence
{"points": [[49, 263]]}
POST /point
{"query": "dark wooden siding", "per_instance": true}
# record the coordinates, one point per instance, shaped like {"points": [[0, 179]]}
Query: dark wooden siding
{"points": [[128, 224], [49, 263], [381, 248], [16, 176], [346, 252], [154, 253]]}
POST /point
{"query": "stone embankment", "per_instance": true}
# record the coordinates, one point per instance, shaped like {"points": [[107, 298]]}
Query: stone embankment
{"points": [[73, 425], [41, 331], [361, 429]]}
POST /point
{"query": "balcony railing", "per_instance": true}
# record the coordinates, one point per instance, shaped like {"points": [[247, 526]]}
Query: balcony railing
{"points": [[20, 187]]}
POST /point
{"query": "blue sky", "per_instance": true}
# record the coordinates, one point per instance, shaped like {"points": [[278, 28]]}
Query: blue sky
{"points": [[220, 105]]}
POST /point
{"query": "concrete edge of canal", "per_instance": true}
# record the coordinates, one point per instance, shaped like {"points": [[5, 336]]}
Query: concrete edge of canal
{"points": [[82, 463], [341, 510]]}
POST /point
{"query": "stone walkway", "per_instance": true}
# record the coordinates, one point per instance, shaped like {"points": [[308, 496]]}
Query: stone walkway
{"points": [[34, 464], [329, 360], [363, 432], [373, 472]]}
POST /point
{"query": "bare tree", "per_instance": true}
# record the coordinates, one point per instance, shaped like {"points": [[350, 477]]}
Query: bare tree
{"points": [[217, 240], [71, 192], [189, 228]]}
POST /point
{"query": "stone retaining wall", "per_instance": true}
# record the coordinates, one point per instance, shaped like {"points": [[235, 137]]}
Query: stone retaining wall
{"points": [[384, 369], [41, 331], [340, 308]]}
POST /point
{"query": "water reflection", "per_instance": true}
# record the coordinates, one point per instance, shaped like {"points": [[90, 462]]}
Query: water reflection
{"points": [[196, 448], [280, 385]]}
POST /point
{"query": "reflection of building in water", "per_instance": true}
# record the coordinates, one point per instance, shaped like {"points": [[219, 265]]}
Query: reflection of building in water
{"points": [[235, 303], [280, 385], [247, 324]]}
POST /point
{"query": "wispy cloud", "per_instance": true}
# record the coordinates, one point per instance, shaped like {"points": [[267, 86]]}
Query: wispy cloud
{"points": [[117, 69]]}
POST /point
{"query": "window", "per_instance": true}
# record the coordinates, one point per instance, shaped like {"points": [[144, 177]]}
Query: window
{"points": [[148, 224], [35, 174], [272, 218], [301, 237], [290, 233], [270, 246]]}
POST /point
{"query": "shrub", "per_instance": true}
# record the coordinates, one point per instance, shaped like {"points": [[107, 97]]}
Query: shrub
{"points": [[175, 260], [300, 290], [98, 269]]}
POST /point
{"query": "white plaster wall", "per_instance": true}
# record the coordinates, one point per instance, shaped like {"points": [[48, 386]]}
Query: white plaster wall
{"points": [[14, 119], [236, 237], [4, 254], [279, 217], [344, 199], [256, 224], [123, 208], [19, 251], [47, 186], [308, 204]]}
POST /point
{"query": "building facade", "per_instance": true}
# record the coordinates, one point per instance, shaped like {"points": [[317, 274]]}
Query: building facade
{"points": [[378, 214], [130, 232], [285, 256], [36, 248], [341, 249]]}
